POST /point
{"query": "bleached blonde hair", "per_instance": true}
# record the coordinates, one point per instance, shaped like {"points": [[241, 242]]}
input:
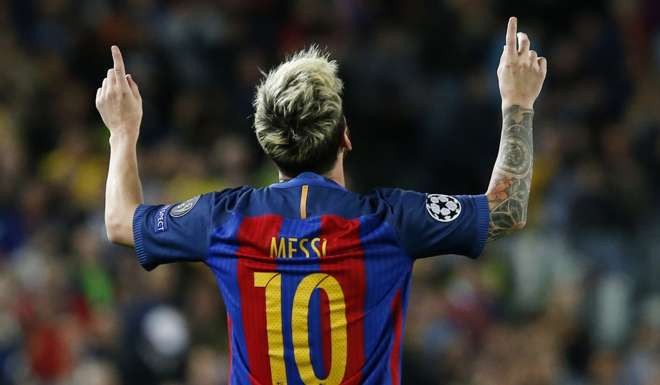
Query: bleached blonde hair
{"points": [[299, 120]]}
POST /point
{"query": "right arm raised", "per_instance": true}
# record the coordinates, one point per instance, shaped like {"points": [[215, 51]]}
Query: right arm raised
{"points": [[521, 74]]}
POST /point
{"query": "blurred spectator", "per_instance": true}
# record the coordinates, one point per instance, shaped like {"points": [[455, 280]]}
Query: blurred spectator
{"points": [[574, 300]]}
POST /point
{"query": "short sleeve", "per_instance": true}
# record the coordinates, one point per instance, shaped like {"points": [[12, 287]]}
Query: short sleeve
{"points": [[435, 224], [173, 233]]}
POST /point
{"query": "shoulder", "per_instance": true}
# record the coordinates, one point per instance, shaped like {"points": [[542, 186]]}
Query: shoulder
{"points": [[392, 193], [395, 198], [229, 194], [213, 204], [440, 207]]}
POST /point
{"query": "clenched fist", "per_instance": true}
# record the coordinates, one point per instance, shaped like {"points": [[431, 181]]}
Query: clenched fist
{"points": [[119, 101], [521, 72]]}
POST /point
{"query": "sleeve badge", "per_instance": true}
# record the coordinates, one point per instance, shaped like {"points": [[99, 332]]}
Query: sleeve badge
{"points": [[183, 208], [443, 208]]}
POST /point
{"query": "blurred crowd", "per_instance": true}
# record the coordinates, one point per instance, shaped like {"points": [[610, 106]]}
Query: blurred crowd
{"points": [[573, 300]]}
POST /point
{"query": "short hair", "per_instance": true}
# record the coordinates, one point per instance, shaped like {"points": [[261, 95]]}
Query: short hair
{"points": [[299, 120]]}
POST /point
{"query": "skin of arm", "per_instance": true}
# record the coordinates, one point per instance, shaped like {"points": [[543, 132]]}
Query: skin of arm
{"points": [[521, 74], [119, 102]]}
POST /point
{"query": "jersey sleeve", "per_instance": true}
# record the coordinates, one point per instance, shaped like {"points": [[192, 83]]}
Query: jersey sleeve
{"points": [[435, 224], [173, 233]]}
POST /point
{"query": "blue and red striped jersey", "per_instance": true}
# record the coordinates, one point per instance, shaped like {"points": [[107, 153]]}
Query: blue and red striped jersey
{"points": [[315, 278]]}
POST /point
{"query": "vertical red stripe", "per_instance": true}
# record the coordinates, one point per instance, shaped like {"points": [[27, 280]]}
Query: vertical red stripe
{"points": [[325, 333], [254, 237], [395, 358], [345, 262]]}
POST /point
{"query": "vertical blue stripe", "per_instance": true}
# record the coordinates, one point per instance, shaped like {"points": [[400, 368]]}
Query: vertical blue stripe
{"points": [[315, 334], [293, 271], [222, 261], [387, 269]]}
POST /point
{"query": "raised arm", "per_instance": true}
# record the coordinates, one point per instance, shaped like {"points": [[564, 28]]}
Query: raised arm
{"points": [[521, 74], [120, 105]]}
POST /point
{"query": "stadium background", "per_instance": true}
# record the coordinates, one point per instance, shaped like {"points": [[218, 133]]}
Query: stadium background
{"points": [[573, 300]]}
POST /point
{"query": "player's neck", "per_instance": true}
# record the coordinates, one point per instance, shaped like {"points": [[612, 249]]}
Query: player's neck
{"points": [[336, 174]]}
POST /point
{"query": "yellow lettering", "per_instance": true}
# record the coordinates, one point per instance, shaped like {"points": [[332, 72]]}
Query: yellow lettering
{"points": [[303, 248], [338, 330], [273, 247], [277, 250], [272, 282], [315, 247], [292, 248], [284, 247]]}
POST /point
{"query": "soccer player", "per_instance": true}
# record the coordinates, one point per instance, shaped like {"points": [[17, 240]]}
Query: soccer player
{"points": [[315, 278]]}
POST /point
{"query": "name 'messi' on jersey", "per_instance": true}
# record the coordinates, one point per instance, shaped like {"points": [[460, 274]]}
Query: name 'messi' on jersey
{"points": [[289, 247], [316, 296]]}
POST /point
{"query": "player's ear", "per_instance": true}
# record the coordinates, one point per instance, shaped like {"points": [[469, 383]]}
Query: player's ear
{"points": [[346, 139]]}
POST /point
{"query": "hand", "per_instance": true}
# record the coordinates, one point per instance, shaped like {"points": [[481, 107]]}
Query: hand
{"points": [[119, 101], [521, 72]]}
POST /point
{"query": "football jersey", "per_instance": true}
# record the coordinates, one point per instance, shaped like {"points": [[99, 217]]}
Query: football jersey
{"points": [[315, 278]]}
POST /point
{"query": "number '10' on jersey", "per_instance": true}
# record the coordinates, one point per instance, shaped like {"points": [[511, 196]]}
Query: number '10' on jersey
{"points": [[315, 278]]}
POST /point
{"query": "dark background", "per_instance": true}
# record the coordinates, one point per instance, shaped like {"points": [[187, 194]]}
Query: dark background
{"points": [[573, 300]]}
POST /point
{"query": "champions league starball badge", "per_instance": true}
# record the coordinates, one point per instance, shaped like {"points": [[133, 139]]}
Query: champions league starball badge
{"points": [[443, 208]]}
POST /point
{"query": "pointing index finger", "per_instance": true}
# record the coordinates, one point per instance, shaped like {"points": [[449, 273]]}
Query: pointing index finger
{"points": [[511, 31], [118, 61]]}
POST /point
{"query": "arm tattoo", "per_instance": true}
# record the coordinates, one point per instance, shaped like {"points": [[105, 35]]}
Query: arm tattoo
{"points": [[508, 191]]}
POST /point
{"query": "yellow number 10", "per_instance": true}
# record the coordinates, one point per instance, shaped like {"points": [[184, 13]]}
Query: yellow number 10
{"points": [[272, 282]]}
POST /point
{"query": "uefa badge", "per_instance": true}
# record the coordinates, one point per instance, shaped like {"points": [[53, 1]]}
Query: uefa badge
{"points": [[183, 208], [442, 208]]}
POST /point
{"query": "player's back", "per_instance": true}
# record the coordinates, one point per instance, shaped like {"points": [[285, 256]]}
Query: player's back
{"points": [[315, 278], [315, 283]]}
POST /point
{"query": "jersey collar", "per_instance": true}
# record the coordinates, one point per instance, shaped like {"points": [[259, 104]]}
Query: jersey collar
{"points": [[308, 178]]}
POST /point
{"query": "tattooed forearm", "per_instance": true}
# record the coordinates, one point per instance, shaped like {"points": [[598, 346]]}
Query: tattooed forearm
{"points": [[508, 191]]}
